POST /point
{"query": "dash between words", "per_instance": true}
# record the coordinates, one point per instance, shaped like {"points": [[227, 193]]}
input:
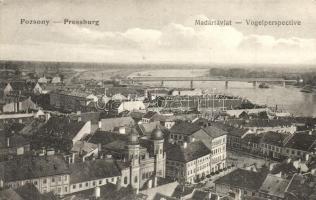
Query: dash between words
{"points": [[65, 21]]}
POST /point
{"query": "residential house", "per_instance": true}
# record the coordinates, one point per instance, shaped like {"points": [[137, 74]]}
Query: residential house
{"points": [[12, 144], [271, 144], [71, 101], [46, 173], [130, 106], [94, 173], [61, 133], [300, 144], [241, 183], [188, 162]]}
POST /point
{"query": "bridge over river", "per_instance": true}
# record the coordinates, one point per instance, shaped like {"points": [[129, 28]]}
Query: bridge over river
{"points": [[194, 79]]}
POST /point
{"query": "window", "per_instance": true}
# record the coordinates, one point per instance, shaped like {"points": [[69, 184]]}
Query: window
{"points": [[80, 185], [87, 184], [45, 181], [35, 182], [65, 178], [135, 179], [125, 180], [112, 179], [100, 182], [74, 186], [58, 190], [66, 189], [93, 183], [59, 179], [53, 180]]}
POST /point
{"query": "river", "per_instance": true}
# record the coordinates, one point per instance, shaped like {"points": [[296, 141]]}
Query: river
{"points": [[287, 98]]}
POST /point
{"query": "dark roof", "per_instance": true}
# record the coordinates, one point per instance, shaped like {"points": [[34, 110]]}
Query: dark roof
{"points": [[15, 140], [193, 151], [252, 138], [284, 167], [185, 128], [61, 127], [231, 130], [28, 167], [105, 137], [10, 194], [299, 187], [214, 132], [261, 122], [93, 170], [241, 178], [149, 114], [273, 138], [302, 141]]}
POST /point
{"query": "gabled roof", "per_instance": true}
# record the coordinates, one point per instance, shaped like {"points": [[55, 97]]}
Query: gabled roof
{"points": [[241, 178], [149, 114], [61, 127], [273, 138], [184, 128], [302, 141], [111, 123], [214, 132], [93, 170], [274, 185], [193, 151], [28, 167]]}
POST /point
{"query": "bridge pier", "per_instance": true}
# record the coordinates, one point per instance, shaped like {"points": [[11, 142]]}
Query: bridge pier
{"points": [[226, 84], [254, 83], [191, 84], [162, 83]]}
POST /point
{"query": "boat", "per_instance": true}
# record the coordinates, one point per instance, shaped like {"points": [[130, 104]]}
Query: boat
{"points": [[264, 85]]}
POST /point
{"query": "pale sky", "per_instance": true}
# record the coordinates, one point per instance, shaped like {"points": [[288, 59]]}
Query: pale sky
{"points": [[150, 31]]}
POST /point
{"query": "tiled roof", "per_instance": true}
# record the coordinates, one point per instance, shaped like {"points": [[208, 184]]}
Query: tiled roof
{"points": [[193, 151], [104, 137], [93, 170], [33, 167], [61, 126], [185, 128], [15, 140], [300, 187], [214, 132], [10, 194], [111, 123], [302, 141], [273, 138], [241, 178], [149, 114], [274, 185]]}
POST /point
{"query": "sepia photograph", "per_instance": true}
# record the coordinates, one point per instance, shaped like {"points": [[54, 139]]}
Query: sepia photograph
{"points": [[158, 100]]}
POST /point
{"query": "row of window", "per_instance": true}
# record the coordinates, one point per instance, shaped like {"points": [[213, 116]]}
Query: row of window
{"points": [[53, 179], [94, 183]]}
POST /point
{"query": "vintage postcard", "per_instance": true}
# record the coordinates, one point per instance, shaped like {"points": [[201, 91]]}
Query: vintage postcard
{"points": [[157, 100]]}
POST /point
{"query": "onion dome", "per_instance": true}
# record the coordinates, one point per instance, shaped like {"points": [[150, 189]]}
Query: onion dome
{"points": [[157, 134]]}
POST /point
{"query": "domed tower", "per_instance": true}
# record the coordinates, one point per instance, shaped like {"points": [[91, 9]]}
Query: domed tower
{"points": [[158, 140], [133, 148], [133, 151]]}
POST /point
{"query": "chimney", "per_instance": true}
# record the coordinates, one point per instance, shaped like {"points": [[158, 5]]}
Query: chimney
{"points": [[79, 119], [310, 132], [8, 141], [307, 157], [100, 124], [185, 144], [97, 192]]}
